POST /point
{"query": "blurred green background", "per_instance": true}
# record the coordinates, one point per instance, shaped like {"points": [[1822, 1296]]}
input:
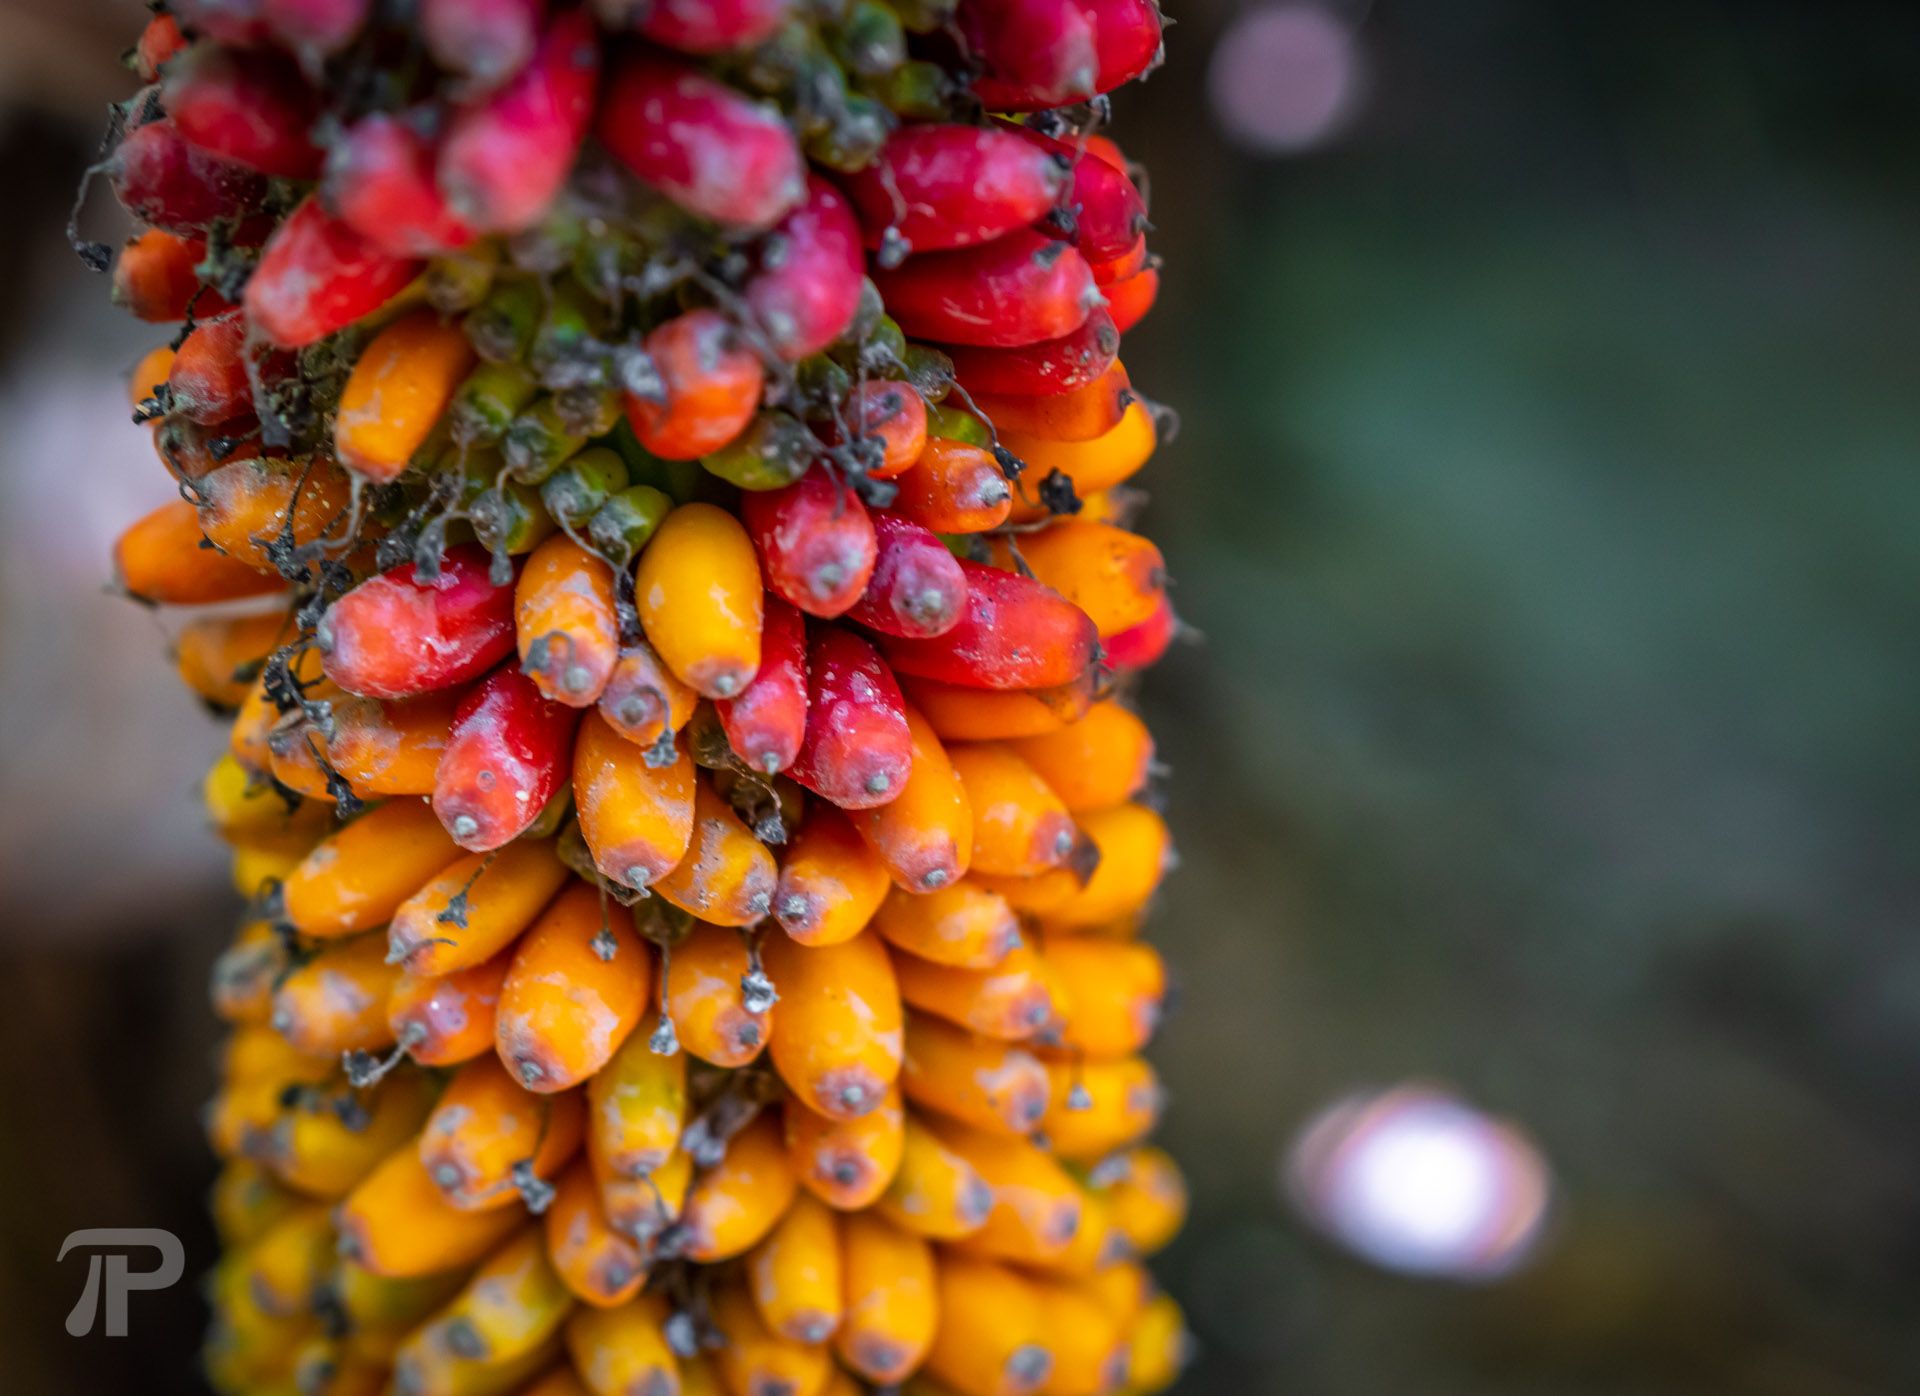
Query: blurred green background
{"points": [[1545, 511]]}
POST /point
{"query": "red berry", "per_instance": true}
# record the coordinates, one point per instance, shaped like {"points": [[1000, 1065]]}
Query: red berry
{"points": [[888, 412], [252, 108], [941, 187], [397, 634], [1015, 633], [506, 157], [507, 755], [1141, 645], [380, 180], [1035, 53], [1127, 37], [815, 540], [858, 752], [167, 181], [917, 587], [707, 26], [486, 41], [1038, 370], [318, 275], [1019, 289], [807, 287], [767, 722], [315, 29], [701, 143], [1109, 216], [208, 381]]}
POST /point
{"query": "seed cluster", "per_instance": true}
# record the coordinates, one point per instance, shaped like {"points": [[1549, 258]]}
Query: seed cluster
{"points": [[657, 472]]}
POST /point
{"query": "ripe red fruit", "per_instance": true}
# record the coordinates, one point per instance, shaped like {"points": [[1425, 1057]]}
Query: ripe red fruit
{"points": [[815, 540], [857, 752], [380, 180], [1142, 645], [1127, 36], [486, 41], [397, 634], [315, 29], [767, 722], [917, 588], [807, 287], [1019, 289], [1015, 633], [945, 186], [252, 108], [701, 143], [208, 382], [505, 157], [702, 26], [1109, 216], [318, 275], [507, 755], [165, 180], [1035, 53], [1037, 370], [892, 414], [1129, 301]]}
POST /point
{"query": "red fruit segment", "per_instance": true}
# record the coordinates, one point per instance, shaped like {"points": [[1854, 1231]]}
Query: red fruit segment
{"points": [[487, 41], [1019, 289], [1036, 53], [917, 588], [815, 539], [1037, 370], [1109, 216], [165, 180], [808, 286], [251, 108], [707, 26], [767, 722], [208, 382], [506, 157], [396, 635], [702, 144], [1127, 36], [1129, 263], [1142, 645], [318, 275], [380, 180], [506, 757], [940, 187], [1015, 633], [858, 752]]}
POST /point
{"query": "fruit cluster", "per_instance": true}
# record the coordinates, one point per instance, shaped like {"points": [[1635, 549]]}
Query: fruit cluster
{"points": [[657, 470]]}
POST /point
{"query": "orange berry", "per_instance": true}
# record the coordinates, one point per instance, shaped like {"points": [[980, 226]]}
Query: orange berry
{"points": [[727, 876], [1113, 990], [1135, 853], [398, 1224], [962, 714], [578, 985], [964, 926], [954, 487], [925, 835], [636, 1107], [794, 1273], [356, 879], [398, 389], [1036, 1202], [847, 1164], [324, 1142], [1118, 578], [712, 383], [753, 1361], [598, 1264], [1100, 1104], [890, 1300], [643, 699], [253, 509], [1020, 826], [390, 748], [706, 1001], [448, 1019], [475, 908], [1148, 1202], [569, 635], [1088, 1343], [159, 559], [701, 600], [991, 1339], [637, 818], [733, 1204], [838, 1046], [1101, 760], [935, 1192], [831, 882], [337, 1001], [622, 1351], [1078, 414], [220, 658], [977, 1080], [1011, 1001], [511, 1305], [487, 1136], [1094, 465]]}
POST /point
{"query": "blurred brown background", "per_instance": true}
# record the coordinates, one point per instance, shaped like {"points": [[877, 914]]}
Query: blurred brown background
{"points": [[1547, 503]]}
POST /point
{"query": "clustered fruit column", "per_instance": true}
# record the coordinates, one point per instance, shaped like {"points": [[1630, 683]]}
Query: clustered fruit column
{"points": [[657, 472]]}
